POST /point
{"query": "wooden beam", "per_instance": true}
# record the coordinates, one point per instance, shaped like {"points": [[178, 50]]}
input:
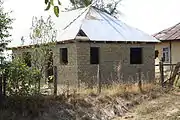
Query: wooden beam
{"points": [[55, 80]]}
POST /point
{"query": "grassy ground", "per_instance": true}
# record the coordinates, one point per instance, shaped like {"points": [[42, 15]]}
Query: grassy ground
{"points": [[116, 102], [164, 107]]}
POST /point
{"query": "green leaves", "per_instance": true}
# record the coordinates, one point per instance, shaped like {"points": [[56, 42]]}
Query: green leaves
{"points": [[48, 7], [5, 26], [46, 2], [87, 2], [50, 3], [56, 11], [59, 3], [21, 79]]}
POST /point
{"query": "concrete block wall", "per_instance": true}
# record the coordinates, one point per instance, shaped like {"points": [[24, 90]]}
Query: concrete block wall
{"points": [[67, 74], [114, 63], [130, 71]]}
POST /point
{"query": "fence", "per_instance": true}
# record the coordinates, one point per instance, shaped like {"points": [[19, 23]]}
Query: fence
{"points": [[173, 71], [54, 90]]}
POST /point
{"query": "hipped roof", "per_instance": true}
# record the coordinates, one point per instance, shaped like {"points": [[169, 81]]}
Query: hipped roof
{"points": [[99, 26], [172, 33]]}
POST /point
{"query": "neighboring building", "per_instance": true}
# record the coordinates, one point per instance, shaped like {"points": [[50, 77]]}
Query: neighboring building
{"points": [[169, 47], [94, 38]]}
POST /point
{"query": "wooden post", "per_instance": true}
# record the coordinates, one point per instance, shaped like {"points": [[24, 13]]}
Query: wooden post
{"points": [[39, 86], [161, 68], [175, 72], [140, 80], [4, 84], [55, 80], [1, 92], [98, 80]]}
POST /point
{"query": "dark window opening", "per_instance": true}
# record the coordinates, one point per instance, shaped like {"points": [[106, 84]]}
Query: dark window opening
{"points": [[156, 53], [81, 33], [64, 56], [135, 55], [27, 58], [94, 55]]}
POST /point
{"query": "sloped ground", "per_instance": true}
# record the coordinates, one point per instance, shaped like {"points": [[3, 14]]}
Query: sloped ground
{"points": [[153, 104], [165, 107], [91, 107]]}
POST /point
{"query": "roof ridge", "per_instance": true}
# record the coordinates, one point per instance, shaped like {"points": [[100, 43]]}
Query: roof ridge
{"points": [[105, 28], [77, 17], [110, 23]]}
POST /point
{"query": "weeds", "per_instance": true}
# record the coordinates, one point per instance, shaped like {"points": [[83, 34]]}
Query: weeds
{"points": [[118, 89], [115, 98]]}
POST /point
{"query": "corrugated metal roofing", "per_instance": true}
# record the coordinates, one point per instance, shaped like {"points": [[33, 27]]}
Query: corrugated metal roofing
{"points": [[100, 26], [172, 33]]}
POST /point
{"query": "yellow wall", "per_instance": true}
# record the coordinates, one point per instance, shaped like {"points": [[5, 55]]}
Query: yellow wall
{"points": [[159, 47], [175, 50]]}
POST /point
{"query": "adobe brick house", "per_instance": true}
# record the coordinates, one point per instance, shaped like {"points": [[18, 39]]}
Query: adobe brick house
{"points": [[95, 38]]}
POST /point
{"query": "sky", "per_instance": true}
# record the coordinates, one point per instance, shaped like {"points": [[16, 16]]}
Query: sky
{"points": [[150, 16]]}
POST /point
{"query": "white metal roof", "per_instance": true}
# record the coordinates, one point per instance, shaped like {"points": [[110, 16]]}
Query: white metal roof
{"points": [[98, 26]]}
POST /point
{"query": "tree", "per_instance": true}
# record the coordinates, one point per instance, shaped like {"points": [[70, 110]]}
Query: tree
{"points": [[110, 7], [5, 26], [50, 3], [43, 31], [43, 36]]}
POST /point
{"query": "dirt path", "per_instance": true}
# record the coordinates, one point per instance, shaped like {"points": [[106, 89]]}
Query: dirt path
{"points": [[166, 107]]}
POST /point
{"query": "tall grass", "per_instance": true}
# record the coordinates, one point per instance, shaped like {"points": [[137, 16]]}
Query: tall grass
{"points": [[117, 89]]}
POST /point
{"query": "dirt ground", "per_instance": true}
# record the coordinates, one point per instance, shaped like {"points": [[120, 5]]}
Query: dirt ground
{"points": [[156, 103], [165, 107]]}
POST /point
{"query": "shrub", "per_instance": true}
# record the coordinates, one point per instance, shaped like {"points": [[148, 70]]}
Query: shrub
{"points": [[21, 79]]}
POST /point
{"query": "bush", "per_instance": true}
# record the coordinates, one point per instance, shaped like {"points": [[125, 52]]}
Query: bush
{"points": [[21, 79]]}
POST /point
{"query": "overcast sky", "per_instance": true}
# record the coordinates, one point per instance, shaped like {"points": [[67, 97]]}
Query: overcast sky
{"points": [[149, 16]]}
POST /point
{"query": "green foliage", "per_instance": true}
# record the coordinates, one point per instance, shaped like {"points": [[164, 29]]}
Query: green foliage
{"points": [[80, 3], [48, 6], [56, 11], [43, 36], [110, 8], [5, 26], [21, 79], [50, 3], [42, 31]]}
